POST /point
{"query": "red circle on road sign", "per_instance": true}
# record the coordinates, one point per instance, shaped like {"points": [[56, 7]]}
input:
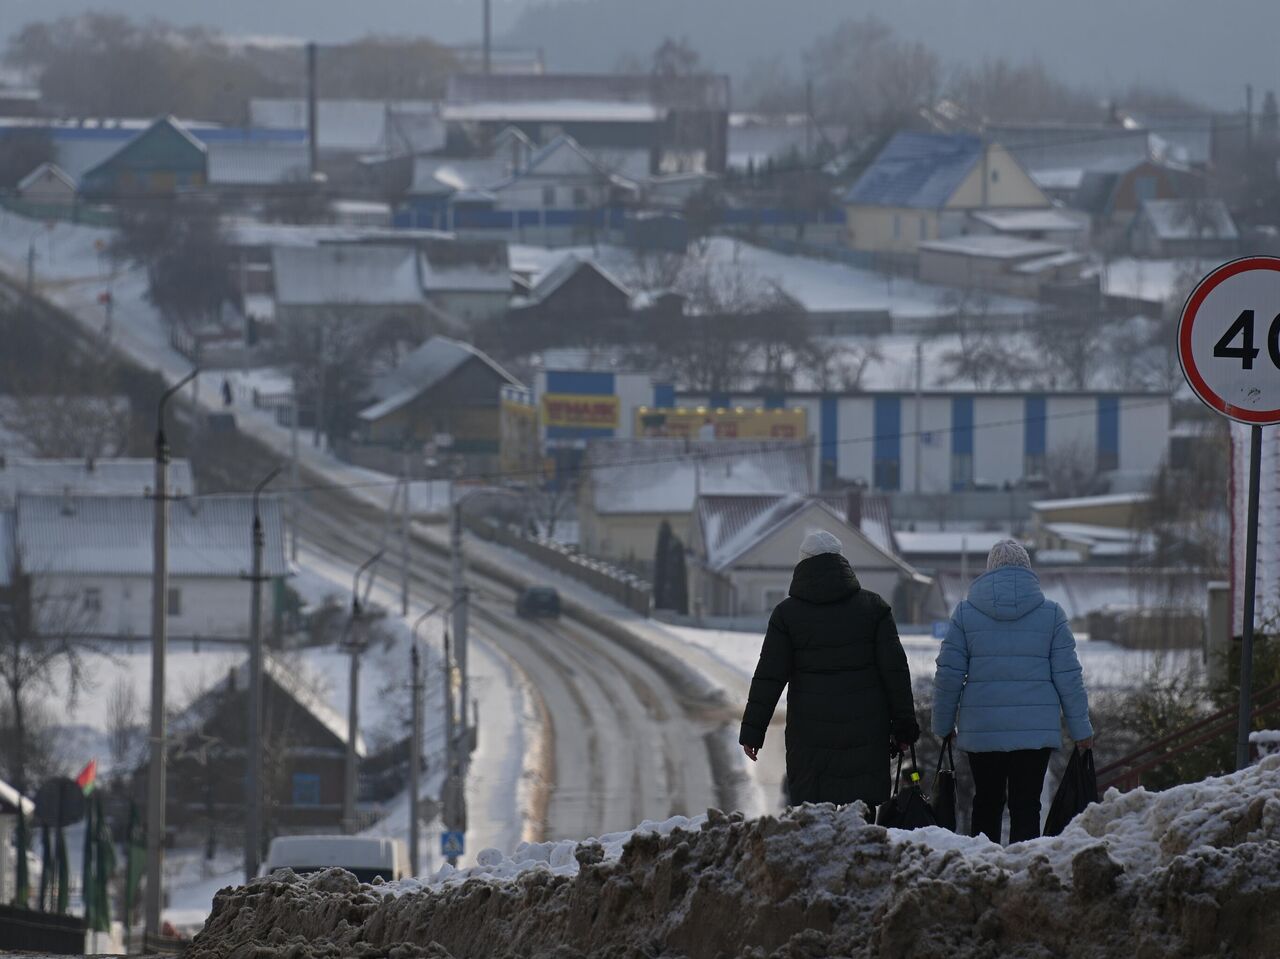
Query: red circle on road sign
{"points": [[1190, 310]]}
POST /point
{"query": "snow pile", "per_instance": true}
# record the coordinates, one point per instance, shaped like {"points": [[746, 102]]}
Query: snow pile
{"points": [[1191, 871]]}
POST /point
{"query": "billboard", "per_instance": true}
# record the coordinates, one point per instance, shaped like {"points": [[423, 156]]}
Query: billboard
{"points": [[581, 411], [736, 423]]}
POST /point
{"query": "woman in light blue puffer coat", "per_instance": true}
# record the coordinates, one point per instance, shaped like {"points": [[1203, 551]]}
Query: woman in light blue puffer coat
{"points": [[1007, 674]]}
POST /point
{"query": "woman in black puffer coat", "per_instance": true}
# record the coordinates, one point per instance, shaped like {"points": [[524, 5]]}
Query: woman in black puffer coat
{"points": [[850, 705]]}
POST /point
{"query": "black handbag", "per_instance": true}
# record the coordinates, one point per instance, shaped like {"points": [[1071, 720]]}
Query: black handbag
{"points": [[943, 800], [907, 808], [1079, 788]]}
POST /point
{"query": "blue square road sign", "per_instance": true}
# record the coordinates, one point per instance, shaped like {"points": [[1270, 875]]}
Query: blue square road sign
{"points": [[452, 843]]}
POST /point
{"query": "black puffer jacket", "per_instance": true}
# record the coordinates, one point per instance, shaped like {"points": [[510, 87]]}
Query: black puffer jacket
{"points": [[837, 645]]}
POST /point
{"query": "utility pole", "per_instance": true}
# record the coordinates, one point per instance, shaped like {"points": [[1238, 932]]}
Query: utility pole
{"points": [[415, 761], [159, 639], [253, 782], [454, 814], [293, 480], [919, 412], [355, 645], [808, 120], [31, 267], [313, 147], [488, 35], [459, 591], [404, 538], [1248, 124]]}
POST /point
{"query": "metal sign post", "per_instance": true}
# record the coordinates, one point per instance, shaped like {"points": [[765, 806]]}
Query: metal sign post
{"points": [[1230, 320]]}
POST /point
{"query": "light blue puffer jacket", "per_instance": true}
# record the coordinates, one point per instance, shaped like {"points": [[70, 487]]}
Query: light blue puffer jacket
{"points": [[1008, 666]]}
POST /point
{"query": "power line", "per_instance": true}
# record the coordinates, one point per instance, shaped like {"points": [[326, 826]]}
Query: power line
{"points": [[732, 450]]}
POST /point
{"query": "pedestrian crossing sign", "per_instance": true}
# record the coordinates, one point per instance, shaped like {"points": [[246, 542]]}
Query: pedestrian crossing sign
{"points": [[452, 843]]}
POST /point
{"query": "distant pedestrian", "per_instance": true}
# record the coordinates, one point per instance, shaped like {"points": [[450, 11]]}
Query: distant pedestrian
{"points": [[226, 392], [1007, 673], [849, 705]]}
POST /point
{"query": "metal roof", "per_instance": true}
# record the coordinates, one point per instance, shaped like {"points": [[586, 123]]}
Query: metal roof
{"points": [[112, 535], [347, 273], [81, 476], [427, 366], [919, 170]]}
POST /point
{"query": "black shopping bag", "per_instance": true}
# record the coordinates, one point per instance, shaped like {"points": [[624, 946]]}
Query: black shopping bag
{"points": [[1079, 788], [907, 808], [943, 801]]}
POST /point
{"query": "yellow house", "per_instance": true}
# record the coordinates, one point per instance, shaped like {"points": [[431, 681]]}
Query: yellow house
{"points": [[922, 186]]}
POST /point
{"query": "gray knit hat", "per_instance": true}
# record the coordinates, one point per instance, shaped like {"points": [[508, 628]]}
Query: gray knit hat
{"points": [[818, 541], [1008, 552]]}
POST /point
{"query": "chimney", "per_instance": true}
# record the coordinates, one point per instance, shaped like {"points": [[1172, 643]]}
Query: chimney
{"points": [[853, 507]]}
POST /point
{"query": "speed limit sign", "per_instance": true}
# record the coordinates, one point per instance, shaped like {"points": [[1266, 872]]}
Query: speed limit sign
{"points": [[1229, 348], [1229, 340]]}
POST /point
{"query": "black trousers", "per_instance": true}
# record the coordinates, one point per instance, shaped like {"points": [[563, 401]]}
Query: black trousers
{"points": [[1019, 775]]}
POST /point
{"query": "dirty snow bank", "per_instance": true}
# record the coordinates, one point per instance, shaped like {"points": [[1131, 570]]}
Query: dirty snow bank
{"points": [[1193, 871]]}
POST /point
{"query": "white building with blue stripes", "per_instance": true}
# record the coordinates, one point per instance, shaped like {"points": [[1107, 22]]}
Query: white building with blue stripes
{"points": [[950, 441]]}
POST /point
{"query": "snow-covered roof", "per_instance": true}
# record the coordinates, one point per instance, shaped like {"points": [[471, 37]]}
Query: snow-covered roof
{"points": [[1048, 220], [1051, 262], [666, 475], [1151, 281], [1046, 148], [334, 274], [1092, 532], [1205, 218], [111, 535], [120, 477], [257, 163], [919, 170], [46, 169], [1057, 178], [996, 247], [444, 175], [465, 266], [561, 273], [732, 524], [1085, 502], [353, 126], [253, 233], [291, 679], [424, 368], [552, 111], [948, 542]]}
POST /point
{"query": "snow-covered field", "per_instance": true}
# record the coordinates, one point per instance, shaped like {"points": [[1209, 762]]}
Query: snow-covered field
{"points": [[1192, 871]]}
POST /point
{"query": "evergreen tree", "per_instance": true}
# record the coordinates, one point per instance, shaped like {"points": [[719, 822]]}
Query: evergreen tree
{"points": [[662, 567], [677, 581]]}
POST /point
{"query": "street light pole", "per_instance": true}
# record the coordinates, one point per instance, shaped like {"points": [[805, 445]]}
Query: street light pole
{"points": [[354, 647], [415, 762], [159, 641], [253, 778]]}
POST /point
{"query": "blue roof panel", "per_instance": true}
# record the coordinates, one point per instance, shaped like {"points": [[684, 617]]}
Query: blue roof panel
{"points": [[920, 170]]}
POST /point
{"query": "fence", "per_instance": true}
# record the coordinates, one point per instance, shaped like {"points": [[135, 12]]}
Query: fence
{"points": [[25, 930], [629, 590]]}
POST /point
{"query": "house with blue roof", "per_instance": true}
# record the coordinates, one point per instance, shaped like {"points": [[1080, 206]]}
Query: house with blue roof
{"points": [[922, 187]]}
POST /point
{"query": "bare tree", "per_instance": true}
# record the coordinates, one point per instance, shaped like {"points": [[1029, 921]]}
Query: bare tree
{"points": [[61, 425], [43, 644], [124, 731], [1071, 344], [838, 366]]}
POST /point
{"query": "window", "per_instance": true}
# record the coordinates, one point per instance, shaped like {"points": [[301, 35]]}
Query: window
{"points": [[175, 601], [579, 196], [306, 789], [92, 602], [548, 196]]}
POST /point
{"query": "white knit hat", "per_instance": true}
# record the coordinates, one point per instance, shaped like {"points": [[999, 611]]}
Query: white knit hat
{"points": [[818, 541]]}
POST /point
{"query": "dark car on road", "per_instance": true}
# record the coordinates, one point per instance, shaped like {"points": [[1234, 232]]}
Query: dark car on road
{"points": [[537, 602]]}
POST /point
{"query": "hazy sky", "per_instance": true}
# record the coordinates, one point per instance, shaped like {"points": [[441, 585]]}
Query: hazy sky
{"points": [[1208, 50]]}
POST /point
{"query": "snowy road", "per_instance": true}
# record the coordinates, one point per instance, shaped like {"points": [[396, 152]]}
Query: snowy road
{"points": [[624, 745]]}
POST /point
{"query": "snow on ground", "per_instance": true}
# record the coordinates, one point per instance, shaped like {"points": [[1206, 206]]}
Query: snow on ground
{"points": [[1191, 871], [1106, 665], [1153, 281]]}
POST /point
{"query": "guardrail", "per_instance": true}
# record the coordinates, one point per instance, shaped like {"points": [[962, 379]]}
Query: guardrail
{"points": [[1126, 772], [605, 578]]}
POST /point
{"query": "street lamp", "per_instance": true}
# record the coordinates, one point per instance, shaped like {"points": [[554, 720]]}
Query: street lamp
{"points": [[354, 646], [415, 740]]}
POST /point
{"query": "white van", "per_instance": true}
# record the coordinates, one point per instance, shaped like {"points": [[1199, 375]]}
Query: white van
{"points": [[363, 857]]}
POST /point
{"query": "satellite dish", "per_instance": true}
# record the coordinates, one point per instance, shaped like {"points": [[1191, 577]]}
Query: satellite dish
{"points": [[60, 802]]}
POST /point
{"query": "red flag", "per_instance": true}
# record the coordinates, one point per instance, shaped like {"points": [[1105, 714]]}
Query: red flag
{"points": [[88, 777]]}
